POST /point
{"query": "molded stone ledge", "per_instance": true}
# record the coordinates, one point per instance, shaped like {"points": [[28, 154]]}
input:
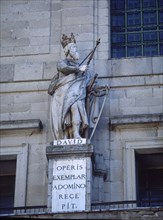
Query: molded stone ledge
{"points": [[25, 86], [135, 119], [79, 150], [30, 124]]}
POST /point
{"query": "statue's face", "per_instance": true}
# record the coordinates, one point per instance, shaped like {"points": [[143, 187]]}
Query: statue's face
{"points": [[73, 51]]}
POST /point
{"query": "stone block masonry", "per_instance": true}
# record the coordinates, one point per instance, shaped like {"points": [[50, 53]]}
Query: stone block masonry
{"points": [[23, 25]]}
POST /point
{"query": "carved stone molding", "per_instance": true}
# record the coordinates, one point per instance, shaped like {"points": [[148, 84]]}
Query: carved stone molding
{"points": [[30, 124], [127, 120]]}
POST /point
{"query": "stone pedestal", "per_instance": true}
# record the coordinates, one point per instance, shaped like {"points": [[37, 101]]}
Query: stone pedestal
{"points": [[69, 177]]}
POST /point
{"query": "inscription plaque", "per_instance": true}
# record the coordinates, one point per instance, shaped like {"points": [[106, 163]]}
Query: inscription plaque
{"points": [[70, 142], [69, 185]]}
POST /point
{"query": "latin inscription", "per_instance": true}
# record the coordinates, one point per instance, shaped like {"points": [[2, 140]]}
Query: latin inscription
{"points": [[69, 185]]}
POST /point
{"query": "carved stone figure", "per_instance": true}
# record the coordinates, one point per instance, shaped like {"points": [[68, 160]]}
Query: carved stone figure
{"points": [[68, 90]]}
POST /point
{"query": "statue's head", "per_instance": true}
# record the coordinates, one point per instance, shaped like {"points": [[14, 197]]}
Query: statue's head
{"points": [[69, 46]]}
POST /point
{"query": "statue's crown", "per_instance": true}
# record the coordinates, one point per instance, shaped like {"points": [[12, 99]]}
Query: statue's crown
{"points": [[65, 40]]}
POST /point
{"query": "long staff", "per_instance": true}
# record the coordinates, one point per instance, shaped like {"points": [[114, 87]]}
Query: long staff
{"points": [[90, 54]]}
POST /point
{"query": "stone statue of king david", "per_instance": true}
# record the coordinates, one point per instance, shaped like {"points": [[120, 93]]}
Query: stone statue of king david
{"points": [[69, 91]]}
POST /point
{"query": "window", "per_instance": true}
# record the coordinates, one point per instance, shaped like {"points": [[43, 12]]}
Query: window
{"points": [[149, 179], [7, 183], [136, 28], [19, 154]]}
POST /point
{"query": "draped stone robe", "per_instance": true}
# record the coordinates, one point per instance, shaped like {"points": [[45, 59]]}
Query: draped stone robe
{"points": [[66, 89]]}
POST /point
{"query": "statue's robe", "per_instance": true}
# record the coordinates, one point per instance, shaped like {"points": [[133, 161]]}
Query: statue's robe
{"points": [[67, 88]]}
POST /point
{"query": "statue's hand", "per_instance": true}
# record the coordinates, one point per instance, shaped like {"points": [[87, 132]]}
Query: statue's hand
{"points": [[83, 68]]}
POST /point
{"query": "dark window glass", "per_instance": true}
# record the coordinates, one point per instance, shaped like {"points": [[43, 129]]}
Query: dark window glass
{"points": [[161, 16], [150, 50], [118, 20], [161, 27], [160, 3], [149, 3], [118, 29], [118, 52], [161, 35], [149, 179], [116, 4], [118, 38], [7, 189], [133, 19], [150, 36], [133, 4], [133, 51], [149, 18], [133, 37], [7, 184], [161, 49]]}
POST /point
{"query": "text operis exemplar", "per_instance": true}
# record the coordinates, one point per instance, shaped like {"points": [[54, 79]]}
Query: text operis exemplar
{"points": [[69, 185]]}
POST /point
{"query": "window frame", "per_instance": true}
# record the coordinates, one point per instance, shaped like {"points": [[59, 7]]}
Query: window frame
{"points": [[19, 152], [140, 146]]}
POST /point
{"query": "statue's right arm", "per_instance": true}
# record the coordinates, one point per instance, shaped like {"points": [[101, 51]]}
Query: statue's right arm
{"points": [[66, 69]]}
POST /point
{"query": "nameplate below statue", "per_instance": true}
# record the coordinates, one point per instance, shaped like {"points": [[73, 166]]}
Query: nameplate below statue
{"points": [[69, 142]]}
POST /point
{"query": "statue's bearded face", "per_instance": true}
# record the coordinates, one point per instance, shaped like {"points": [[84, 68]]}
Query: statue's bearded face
{"points": [[71, 51]]}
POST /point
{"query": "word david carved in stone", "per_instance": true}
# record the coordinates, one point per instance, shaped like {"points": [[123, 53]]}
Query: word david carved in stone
{"points": [[70, 142]]}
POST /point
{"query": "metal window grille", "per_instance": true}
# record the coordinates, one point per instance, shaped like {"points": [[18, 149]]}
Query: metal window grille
{"points": [[136, 28]]}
